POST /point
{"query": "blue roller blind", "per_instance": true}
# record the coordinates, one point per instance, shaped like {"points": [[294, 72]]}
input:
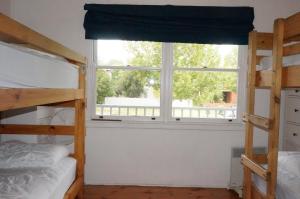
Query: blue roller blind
{"points": [[185, 24]]}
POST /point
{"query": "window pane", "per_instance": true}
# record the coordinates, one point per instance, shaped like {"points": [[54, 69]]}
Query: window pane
{"points": [[204, 94], [129, 53], [205, 55], [128, 93]]}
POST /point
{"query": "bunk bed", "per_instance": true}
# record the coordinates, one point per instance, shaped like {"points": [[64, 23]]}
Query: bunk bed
{"points": [[263, 168], [16, 41]]}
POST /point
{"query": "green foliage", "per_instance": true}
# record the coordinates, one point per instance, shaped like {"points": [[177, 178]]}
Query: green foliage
{"points": [[131, 84], [145, 53], [104, 87], [196, 55], [201, 87]]}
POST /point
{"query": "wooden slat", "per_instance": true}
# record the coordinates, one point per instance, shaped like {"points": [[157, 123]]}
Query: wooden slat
{"points": [[264, 41], [74, 189], [258, 121], [290, 78], [12, 31], [256, 168], [292, 49], [263, 79], [79, 138], [36, 129], [291, 27], [20, 98], [260, 158]]}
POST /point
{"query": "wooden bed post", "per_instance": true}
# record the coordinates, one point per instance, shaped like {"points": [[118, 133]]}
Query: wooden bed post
{"points": [[79, 138], [275, 107], [252, 46]]}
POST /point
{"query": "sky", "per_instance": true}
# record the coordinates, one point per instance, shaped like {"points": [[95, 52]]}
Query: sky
{"points": [[116, 50]]}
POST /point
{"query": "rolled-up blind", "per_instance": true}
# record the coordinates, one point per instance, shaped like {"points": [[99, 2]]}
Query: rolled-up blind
{"points": [[186, 24]]}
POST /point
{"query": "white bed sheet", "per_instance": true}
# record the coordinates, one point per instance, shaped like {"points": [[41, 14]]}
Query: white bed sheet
{"points": [[24, 68], [266, 62], [288, 184], [38, 183]]}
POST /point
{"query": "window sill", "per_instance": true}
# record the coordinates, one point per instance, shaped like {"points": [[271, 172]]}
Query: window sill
{"points": [[173, 125]]}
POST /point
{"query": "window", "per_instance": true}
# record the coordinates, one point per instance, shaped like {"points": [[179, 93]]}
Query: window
{"points": [[128, 78], [163, 81], [204, 81]]}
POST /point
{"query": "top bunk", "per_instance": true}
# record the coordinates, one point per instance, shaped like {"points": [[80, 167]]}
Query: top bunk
{"points": [[14, 32], [287, 37], [36, 70]]}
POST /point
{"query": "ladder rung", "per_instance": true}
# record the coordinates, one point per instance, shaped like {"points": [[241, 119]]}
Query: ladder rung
{"points": [[258, 121], [256, 168]]}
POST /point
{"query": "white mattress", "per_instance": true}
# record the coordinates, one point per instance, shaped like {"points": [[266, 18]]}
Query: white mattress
{"points": [[38, 183], [266, 62], [288, 184], [25, 68]]}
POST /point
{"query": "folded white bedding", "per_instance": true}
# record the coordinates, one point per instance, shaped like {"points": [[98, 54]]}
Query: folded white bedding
{"points": [[21, 155], [17, 66], [288, 177], [266, 62], [38, 183]]}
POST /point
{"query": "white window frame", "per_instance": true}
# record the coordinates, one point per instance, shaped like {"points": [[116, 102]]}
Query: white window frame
{"points": [[166, 75]]}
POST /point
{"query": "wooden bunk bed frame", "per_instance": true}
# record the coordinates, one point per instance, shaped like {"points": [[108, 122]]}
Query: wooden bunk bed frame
{"points": [[12, 31], [285, 41]]}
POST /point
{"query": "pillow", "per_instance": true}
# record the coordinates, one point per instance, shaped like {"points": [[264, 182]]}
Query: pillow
{"points": [[290, 162], [16, 155]]}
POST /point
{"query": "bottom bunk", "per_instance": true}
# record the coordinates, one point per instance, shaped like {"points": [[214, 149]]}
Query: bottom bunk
{"points": [[36, 171], [288, 178]]}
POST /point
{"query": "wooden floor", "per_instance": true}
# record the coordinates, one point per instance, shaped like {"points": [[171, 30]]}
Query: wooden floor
{"points": [[134, 192]]}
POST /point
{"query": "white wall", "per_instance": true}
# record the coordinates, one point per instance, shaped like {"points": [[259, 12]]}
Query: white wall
{"points": [[175, 155], [5, 7]]}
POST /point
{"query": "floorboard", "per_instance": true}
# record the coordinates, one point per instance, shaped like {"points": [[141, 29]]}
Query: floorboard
{"points": [[137, 192]]}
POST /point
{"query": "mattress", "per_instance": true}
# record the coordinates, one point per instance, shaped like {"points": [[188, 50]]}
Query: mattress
{"points": [[26, 68], [38, 183], [287, 182], [266, 62]]}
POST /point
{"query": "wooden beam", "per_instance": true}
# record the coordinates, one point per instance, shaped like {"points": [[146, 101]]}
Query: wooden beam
{"points": [[12, 31], [258, 121], [14, 98], [79, 138], [252, 49], [275, 100], [292, 49], [263, 79], [74, 189], [290, 78], [264, 41], [256, 168], [291, 27], [36, 129], [63, 104]]}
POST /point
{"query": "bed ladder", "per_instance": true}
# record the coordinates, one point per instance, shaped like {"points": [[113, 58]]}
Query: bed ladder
{"points": [[252, 162]]}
